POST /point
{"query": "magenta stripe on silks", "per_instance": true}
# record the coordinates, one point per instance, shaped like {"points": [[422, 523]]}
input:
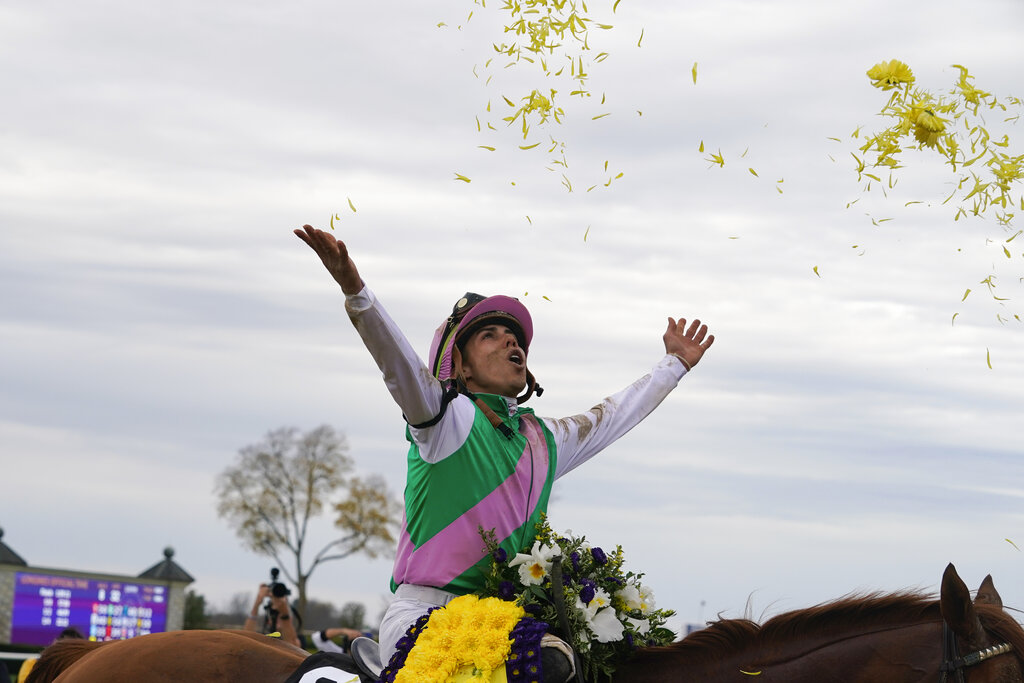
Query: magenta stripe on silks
{"points": [[458, 546]]}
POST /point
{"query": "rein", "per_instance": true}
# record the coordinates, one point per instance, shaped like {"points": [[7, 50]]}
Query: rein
{"points": [[952, 661]]}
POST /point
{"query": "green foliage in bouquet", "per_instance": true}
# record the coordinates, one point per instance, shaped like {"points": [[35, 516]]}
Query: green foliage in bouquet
{"points": [[609, 612]]}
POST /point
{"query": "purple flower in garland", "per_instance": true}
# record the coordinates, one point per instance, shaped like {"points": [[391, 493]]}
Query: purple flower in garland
{"points": [[600, 558], [404, 645], [574, 557], [500, 555], [524, 660], [506, 590], [587, 592]]}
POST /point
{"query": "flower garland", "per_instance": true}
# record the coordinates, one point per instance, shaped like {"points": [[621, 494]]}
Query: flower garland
{"points": [[609, 612], [469, 632]]}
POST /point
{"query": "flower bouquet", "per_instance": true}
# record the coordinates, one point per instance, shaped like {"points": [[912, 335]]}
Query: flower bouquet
{"points": [[608, 611]]}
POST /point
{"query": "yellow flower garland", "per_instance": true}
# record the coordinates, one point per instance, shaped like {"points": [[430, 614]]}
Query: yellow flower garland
{"points": [[467, 632]]}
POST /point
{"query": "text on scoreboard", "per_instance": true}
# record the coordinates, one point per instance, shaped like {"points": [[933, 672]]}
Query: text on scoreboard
{"points": [[100, 609]]}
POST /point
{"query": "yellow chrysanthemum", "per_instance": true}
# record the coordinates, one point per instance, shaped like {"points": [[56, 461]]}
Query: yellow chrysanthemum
{"points": [[887, 75], [469, 631]]}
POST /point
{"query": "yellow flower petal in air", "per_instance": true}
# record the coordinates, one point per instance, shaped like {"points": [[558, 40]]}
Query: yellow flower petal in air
{"points": [[816, 271], [459, 176], [351, 205], [693, 71], [988, 358], [641, 38], [1012, 543], [753, 172], [888, 75]]}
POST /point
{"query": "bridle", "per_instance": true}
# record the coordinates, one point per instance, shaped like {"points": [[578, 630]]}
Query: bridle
{"points": [[953, 662]]}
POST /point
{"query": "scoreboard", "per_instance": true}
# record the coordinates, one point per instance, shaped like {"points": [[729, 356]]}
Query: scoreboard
{"points": [[101, 609]]}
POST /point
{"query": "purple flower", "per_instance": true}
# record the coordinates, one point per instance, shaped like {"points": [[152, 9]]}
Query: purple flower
{"points": [[499, 555], [587, 593], [574, 557], [599, 557], [506, 591]]}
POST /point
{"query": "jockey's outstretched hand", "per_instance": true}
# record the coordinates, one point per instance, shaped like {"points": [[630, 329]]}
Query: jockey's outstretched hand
{"points": [[334, 255], [688, 344]]}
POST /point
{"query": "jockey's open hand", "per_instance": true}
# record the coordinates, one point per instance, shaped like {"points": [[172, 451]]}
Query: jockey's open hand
{"points": [[334, 255], [687, 343]]}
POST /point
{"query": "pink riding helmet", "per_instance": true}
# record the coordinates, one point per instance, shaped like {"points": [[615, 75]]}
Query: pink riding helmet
{"points": [[471, 311]]}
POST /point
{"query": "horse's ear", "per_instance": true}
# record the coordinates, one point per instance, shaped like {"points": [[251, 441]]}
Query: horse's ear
{"points": [[987, 594], [958, 610]]}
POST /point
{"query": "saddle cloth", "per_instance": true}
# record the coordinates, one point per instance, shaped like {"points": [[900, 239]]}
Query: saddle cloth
{"points": [[324, 667]]}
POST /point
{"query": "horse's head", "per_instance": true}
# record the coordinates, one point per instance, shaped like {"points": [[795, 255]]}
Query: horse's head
{"points": [[983, 643]]}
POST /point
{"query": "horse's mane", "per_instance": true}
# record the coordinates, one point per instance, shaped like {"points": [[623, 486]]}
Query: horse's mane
{"points": [[731, 636], [59, 656]]}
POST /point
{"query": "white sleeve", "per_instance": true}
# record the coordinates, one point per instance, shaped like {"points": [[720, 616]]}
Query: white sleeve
{"points": [[415, 390], [406, 376], [580, 437], [324, 644]]}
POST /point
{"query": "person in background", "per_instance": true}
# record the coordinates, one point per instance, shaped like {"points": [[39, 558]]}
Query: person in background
{"points": [[324, 640], [279, 610]]}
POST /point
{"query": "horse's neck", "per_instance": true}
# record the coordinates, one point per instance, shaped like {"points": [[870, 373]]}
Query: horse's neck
{"points": [[885, 655]]}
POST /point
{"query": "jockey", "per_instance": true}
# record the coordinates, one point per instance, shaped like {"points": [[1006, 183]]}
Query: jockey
{"points": [[478, 458]]}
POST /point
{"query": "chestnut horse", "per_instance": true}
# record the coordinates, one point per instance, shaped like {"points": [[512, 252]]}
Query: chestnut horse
{"points": [[875, 639]]}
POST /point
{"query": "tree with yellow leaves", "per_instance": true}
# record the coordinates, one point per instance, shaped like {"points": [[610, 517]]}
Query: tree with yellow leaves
{"points": [[278, 485]]}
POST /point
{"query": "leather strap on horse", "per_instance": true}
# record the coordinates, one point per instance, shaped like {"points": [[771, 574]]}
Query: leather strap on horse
{"points": [[558, 597]]}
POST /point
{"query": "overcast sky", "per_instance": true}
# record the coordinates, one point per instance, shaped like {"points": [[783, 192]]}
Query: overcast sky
{"points": [[844, 433]]}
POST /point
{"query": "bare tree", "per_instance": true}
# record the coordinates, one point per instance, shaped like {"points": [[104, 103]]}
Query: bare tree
{"points": [[278, 485]]}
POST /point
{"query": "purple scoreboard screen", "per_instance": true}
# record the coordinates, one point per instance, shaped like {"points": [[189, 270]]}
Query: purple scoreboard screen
{"points": [[101, 609]]}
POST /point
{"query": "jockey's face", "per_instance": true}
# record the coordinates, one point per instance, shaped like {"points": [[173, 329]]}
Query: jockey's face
{"points": [[493, 362]]}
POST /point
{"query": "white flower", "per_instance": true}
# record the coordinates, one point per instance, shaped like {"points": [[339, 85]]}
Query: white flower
{"points": [[606, 626], [630, 597], [601, 599], [533, 567], [646, 600]]}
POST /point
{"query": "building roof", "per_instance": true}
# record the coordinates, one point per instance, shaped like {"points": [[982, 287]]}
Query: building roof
{"points": [[167, 570], [8, 556]]}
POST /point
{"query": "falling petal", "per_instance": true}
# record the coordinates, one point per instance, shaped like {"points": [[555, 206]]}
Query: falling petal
{"points": [[351, 205], [1012, 543], [988, 358], [588, 227], [529, 220], [701, 148], [529, 146], [816, 271], [332, 222], [965, 294], [641, 38], [753, 172], [487, 147], [615, 5], [750, 673], [459, 176], [953, 319], [544, 297], [694, 72]]}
